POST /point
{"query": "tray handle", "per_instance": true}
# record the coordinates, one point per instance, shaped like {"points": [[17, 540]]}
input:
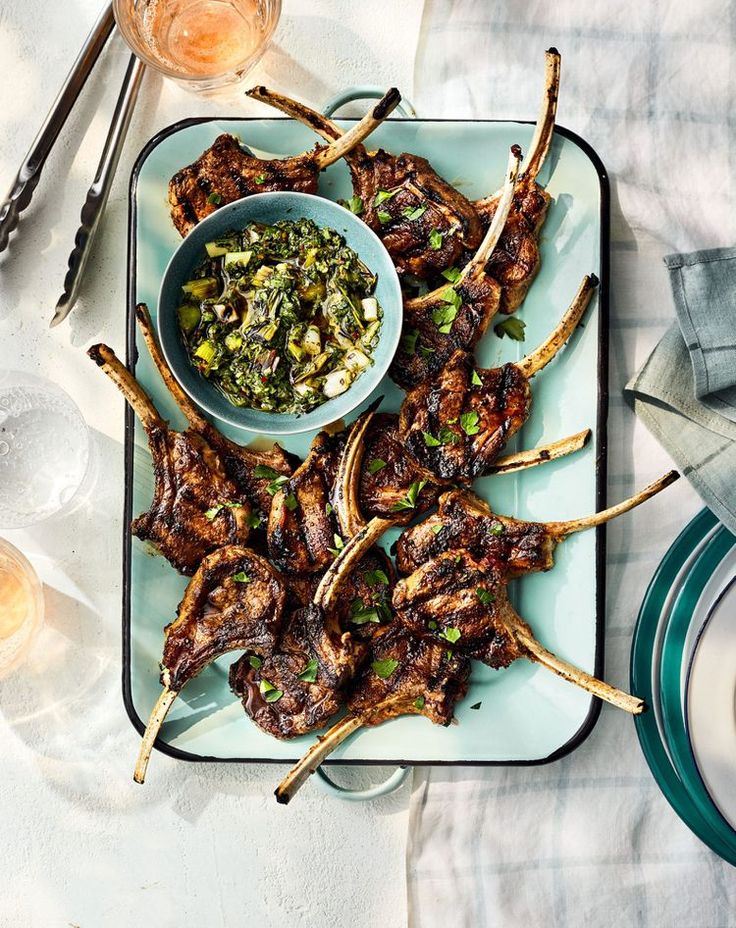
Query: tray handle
{"points": [[366, 92], [361, 795]]}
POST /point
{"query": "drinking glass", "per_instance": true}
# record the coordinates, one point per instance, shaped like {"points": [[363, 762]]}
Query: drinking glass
{"points": [[21, 607], [44, 449], [202, 44]]}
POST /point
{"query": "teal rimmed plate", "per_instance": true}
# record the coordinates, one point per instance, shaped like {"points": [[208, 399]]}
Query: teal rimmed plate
{"points": [[711, 572], [644, 682]]}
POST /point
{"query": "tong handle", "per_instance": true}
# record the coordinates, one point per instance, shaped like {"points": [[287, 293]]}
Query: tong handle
{"points": [[96, 200], [29, 174]]}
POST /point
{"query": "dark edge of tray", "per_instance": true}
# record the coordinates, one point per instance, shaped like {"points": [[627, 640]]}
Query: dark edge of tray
{"points": [[600, 465]]}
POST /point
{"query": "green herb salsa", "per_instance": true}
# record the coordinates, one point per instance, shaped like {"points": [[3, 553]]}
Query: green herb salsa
{"points": [[281, 318]]}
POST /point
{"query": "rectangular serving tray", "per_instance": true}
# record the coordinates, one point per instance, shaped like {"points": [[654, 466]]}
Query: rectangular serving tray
{"points": [[522, 715]]}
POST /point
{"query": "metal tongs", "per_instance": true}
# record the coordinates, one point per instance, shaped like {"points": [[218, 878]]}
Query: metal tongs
{"points": [[29, 174]]}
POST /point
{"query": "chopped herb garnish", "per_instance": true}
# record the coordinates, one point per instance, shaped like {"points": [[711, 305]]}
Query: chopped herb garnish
{"points": [[410, 500], [269, 691], [264, 472], [447, 436], [451, 274], [496, 528], [384, 669], [484, 596], [255, 519], [384, 195], [419, 702], [444, 316], [469, 422], [412, 214], [214, 199], [291, 502], [375, 577], [241, 577], [211, 513], [476, 705], [450, 634], [355, 205], [409, 342], [255, 662], [260, 179], [437, 529], [375, 465], [328, 509], [512, 327], [360, 613], [309, 674], [435, 240], [383, 217], [430, 441], [475, 379], [449, 652], [425, 352], [431, 625], [339, 545]]}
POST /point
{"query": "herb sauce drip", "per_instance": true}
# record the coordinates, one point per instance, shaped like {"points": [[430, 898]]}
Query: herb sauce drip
{"points": [[281, 318]]}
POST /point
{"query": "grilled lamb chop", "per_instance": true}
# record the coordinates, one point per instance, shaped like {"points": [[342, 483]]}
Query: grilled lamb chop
{"points": [[456, 424], [515, 262], [234, 600], [424, 222], [225, 172], [464, 521], [291, 693], [454, 599], [405, 676], [453, 317], [253, 472], [196, 508], [301, 527]]}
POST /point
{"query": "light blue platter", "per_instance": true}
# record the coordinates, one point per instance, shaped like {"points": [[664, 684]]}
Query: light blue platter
{"points": [[526, 714]]}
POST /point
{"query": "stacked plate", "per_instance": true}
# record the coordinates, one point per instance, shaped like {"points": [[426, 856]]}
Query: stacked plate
{"points": [[683, 662]]}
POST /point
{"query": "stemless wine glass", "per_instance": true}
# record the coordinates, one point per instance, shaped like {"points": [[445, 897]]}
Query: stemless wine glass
{"points": [[45, 449], [203, 45], [22, 607]]}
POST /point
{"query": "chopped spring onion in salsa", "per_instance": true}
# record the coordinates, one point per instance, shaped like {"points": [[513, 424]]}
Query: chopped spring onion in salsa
{"points": [[281, 318]]}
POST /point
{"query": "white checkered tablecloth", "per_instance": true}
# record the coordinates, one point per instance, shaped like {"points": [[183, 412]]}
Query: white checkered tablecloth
{"points": [[590, 841]]}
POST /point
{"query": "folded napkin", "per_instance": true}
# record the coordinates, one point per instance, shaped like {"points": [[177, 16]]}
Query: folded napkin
{"points": [[686, 392]]}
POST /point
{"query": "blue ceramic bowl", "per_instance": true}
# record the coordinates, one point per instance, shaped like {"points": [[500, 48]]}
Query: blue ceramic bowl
{"points": [[269, 208]]}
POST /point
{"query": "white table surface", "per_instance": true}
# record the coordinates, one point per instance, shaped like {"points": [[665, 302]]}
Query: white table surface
{"points": [[200, 844]]}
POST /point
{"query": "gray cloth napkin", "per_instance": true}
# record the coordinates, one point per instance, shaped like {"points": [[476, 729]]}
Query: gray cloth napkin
{"points": [[686, 392]]}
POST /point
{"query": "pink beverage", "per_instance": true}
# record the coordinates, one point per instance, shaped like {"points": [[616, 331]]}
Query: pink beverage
{"points": [[205, 43]]}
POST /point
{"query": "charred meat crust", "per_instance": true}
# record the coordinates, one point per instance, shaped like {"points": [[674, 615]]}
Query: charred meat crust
{"points": [[221, 611]]}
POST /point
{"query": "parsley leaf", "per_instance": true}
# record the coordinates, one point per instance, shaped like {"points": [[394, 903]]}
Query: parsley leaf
{"points": [[255, 519], [414, 213], [451, 274], [496, 528], [309, 674], [339, 545], [383, 217], [512, 327], [425, 352], [374, 577], [260, 179], [384, 669], [241, 577], [435, 240], [355, 205], [475, 379], [409, 342], [410, 500], [450, 634], [255, 662], [431, 625], [211, 513], [360, 613], [419, 702], [265, 473], [484, 596], [430, 441], [214, 199], [469, 422], [375, 465], [291, 502], [443, 317], [269, 691], [384, 195], [437, 529], [447, 436]]}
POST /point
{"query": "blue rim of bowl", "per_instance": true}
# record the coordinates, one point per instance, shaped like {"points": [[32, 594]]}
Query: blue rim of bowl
{"points": [[319, 417], [670, 677], [642, 651]]}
